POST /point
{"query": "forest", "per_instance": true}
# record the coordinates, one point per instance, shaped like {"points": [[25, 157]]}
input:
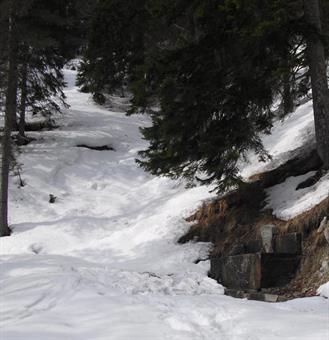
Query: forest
{"points": [[161, 160]]}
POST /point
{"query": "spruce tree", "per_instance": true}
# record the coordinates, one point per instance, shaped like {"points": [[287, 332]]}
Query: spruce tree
{"points": [[32, 62], [216, 82], [218, 73], [218, 79], [114, 47]]}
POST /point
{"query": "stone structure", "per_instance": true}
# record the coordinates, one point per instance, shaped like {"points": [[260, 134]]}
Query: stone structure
{"points": [[267, 233], [268, 262]]}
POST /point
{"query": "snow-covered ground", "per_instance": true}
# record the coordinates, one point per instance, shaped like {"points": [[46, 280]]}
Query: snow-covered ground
{"points": [[287, 202], [289, 137], [102, 263]]}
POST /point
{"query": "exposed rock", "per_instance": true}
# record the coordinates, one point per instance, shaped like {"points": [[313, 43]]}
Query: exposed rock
{"points": [[240, 294], [253, 247], [267, 233], [264, 297], [288, 244], [240, 271], [237, 249], [277, 269], [254, 295], [216, 265], [254, 271]]}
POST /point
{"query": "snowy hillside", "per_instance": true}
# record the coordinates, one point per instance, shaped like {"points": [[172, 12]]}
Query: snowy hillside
{"points": [[102, 262], [290, 137]]}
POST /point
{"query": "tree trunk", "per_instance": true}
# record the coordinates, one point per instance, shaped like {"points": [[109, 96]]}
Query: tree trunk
{"points": [[320, 91], [10, 111], [288, 101], [22, 106]]}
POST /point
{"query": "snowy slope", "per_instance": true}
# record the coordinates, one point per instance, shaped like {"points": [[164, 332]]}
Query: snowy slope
{"points": [[289, 138], [102, 262], [287, 202]]}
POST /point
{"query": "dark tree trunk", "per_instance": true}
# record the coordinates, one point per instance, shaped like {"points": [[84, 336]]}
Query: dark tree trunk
{"points": [[10, 112], [22, 106], [288, 102], [320, 91]]}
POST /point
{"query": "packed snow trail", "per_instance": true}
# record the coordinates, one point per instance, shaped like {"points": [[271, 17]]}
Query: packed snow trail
{"points": [[102, 262]]}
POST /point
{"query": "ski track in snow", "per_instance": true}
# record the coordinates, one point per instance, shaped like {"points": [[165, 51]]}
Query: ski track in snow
{"points": [[103, 263]]}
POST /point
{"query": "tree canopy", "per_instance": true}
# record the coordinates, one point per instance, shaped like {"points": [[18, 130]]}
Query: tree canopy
{"points": [[212, 74]]}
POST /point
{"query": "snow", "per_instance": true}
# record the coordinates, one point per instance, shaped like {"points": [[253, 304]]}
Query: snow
{"points": [[102, 262], [289, 137], [324, 290], [287, 202]]}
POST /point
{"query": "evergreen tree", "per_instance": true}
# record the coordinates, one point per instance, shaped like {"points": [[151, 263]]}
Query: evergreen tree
{"points": [[216, 82], [115, 46], [218, 79], [41, 84], [218, 72], [79, 15], [32, 63]]}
